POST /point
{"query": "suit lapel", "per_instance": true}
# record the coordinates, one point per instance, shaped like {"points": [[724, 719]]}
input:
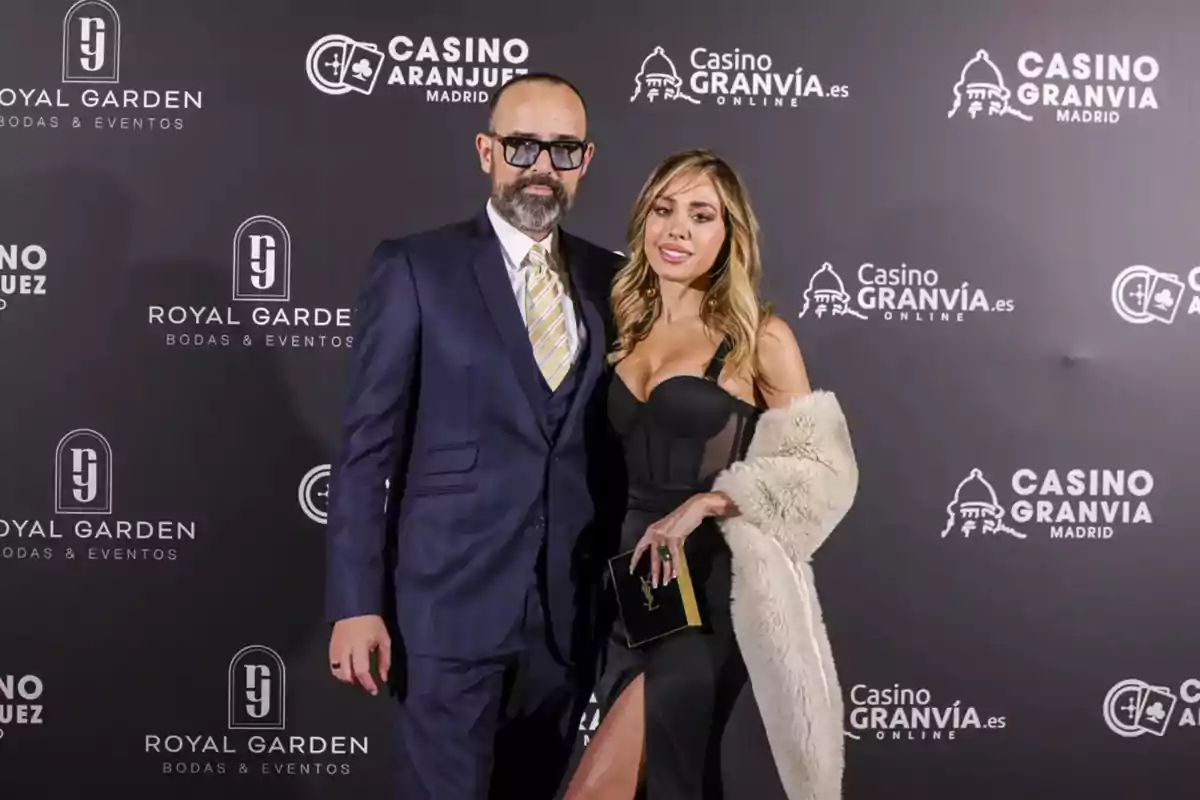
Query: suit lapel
{"points": [[587, 298], [492, 277]]}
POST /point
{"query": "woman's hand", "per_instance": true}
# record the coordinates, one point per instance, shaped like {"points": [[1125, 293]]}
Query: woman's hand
{"points": [[664, 539]]}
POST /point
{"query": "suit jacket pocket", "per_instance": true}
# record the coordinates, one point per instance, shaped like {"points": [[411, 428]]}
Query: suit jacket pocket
{"points": [[449, 469]]}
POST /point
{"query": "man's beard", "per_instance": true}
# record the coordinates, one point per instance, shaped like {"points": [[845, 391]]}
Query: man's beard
{"points": [[531, 213]]}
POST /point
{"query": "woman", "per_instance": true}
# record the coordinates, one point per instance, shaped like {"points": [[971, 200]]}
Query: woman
{"points": [[734, 461]]}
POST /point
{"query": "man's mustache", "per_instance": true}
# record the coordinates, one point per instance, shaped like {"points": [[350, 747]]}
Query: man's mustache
{"points": [[537, 180]]}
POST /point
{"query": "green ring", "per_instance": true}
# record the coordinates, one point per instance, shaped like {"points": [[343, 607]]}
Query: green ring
{"points": [[664, 552]]}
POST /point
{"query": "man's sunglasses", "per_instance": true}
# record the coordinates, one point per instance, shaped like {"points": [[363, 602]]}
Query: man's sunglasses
{"points": [[523, 152]]}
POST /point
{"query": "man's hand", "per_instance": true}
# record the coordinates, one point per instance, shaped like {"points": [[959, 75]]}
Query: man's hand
{"points": [[350, 648]]}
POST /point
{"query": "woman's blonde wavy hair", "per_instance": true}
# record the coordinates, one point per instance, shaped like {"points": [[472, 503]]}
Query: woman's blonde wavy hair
{"points": [[731, 306]]}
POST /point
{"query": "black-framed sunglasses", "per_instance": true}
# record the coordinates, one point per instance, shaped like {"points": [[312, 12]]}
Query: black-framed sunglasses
{"points": [[523, 152]]}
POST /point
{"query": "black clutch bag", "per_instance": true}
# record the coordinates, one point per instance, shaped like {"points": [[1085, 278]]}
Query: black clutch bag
{"points": [[649, 613]]}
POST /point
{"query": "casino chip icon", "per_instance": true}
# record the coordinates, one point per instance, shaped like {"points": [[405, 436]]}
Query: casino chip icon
{"points": [[313, 494]]}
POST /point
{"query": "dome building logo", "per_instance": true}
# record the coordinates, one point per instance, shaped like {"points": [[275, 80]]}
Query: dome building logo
{"points": [[659, 79], [974, 509], [980, 86]]}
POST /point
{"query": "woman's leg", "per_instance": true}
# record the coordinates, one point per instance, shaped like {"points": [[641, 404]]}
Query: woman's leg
{"points": [[679, 704], [612, 763], [661, 731]]}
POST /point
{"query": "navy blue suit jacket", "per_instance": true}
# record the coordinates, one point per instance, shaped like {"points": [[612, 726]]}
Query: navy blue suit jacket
{"points": [[443, 401]]}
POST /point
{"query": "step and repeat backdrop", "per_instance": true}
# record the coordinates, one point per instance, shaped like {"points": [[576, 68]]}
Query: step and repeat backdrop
{"points": [[979, 218]]}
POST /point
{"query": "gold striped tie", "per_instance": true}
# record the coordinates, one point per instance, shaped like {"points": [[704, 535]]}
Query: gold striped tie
{"points": [[544, 318]]}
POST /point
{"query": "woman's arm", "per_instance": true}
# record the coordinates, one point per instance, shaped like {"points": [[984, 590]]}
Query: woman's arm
{"points": [[782, 376]]}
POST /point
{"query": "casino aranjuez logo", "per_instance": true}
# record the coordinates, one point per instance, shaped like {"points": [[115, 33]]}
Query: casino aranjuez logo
{"points": [[452, 69], [22, 272], [21, 702]]}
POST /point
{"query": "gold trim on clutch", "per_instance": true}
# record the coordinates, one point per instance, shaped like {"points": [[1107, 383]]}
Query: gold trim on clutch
{"points": [[684, 578]]}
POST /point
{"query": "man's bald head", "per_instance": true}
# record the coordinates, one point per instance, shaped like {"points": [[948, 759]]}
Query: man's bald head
{"points": [[527, 112], [533, 79]]}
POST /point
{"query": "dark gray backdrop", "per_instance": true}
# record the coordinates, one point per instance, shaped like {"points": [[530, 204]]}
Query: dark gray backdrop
{"points": [[1073, 654]]}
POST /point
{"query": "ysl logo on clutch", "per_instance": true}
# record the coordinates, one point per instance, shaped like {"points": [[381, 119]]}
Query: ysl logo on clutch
{"points": [[648, 593]]}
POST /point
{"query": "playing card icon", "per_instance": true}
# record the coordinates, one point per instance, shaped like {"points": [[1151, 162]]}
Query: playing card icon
{"points": [[363, 64], [362, 70], [1157, 708], [1163, 300], [1166, 292]]}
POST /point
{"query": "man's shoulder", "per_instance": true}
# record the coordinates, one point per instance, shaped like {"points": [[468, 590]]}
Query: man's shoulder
{"points": [[602, 257], [432, 242]]}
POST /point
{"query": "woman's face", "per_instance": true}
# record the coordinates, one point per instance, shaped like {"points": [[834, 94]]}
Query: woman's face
{"points": [[685, 229]]}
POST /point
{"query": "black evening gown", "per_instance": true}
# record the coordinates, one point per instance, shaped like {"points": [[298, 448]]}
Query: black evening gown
{"points": [[704, 736]]}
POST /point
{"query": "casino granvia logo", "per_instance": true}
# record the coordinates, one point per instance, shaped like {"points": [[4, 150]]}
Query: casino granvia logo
{"points": [[732, 79], [896, 294], [1071, 504], [1093, 88], [95, 94], [903, 713]]}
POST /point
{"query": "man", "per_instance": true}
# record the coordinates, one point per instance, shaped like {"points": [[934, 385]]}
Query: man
{"points": [[474, 392]]}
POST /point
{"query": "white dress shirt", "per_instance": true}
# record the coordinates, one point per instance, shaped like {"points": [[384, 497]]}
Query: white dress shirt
{"points": [[515, 245]]}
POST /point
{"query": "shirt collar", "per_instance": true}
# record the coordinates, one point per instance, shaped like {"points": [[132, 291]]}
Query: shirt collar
{"points": [[515, 243]]}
